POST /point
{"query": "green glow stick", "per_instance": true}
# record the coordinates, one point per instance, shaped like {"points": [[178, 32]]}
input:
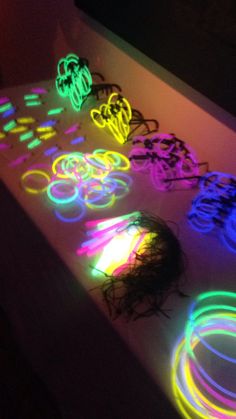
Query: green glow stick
{"points": [[35, 143], [10, 125], [26, 136]]}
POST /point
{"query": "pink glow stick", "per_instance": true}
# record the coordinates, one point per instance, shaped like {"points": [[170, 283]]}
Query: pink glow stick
{"points": [[4, 100], [71, 129]]}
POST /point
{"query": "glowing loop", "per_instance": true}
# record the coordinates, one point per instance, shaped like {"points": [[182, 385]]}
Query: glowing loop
{"points": [[116, 115], [196, 392], [38, 174], [74, 80], [215, 206], [61, 196], [60, 214]]}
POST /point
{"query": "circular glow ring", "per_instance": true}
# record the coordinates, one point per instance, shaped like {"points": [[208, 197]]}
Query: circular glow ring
{"points": [[205, 205], [73, 80], [89, 188], [187, 167], [161, 147], [37, 173], [81, 214], [97, 118], [194, 390], [58, 200], [63, 160], [117, 158], [139, 165], [99, 161], [111, 200], [203, 225], [216, 182], [161, 171], [122, 103], [115, 130], [109, 184], [122, 187], [124, 176]]}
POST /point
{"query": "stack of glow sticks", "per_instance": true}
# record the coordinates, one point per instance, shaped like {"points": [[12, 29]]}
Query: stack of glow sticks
{"points": [[77, 181], [116, 114], [198, 392], [116, 241]]}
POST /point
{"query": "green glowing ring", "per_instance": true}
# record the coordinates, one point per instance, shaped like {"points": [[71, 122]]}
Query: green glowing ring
{"points": [[61, 201]]}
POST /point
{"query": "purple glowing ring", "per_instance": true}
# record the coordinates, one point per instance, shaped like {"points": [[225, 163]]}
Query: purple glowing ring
{"points": [[124, 176], [201, 224], [82, 212], [161, 147], [59, 197], [139, 162], [161, 172], [89, 188]]}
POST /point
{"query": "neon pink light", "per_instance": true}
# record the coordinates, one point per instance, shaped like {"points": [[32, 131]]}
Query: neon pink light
{"points": [[72, 129], [19, 160], [39, 90], [214, 393], [4, 100], [4, 146]]}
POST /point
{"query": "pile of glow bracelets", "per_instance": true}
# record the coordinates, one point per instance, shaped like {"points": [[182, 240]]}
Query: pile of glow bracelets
{"points": [[166, 158], [73, 79], [77, 181], [199, 393], [141, 260], [116, 115], [215, 206], [117, 240]]}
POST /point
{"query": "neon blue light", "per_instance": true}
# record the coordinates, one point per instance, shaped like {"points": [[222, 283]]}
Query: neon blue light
{"points": [[51, 151], [77, 140]]}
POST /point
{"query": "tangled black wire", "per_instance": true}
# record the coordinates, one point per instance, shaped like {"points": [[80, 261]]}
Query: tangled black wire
{"points": [[142, 289]]}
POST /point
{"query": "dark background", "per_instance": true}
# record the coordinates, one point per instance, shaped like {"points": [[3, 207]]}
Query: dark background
{"points": [[195, 40]]}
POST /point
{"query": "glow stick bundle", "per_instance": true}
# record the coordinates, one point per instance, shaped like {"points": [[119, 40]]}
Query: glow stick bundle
{"points": [[116, 114], [198, 390], [215, 206], [166, 158], [73, 80], [117, 240]]}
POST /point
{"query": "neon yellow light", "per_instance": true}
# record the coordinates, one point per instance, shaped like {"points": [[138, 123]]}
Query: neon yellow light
{"points": [[122, 249], [116, 252], [48, 135], [114, 155], [37, 173], [116, 115], [25, 120], [44, 129], [18, 129], [2, 135]]}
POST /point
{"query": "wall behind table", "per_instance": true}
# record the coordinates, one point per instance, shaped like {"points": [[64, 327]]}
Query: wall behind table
{"points": [[157, 93]]}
